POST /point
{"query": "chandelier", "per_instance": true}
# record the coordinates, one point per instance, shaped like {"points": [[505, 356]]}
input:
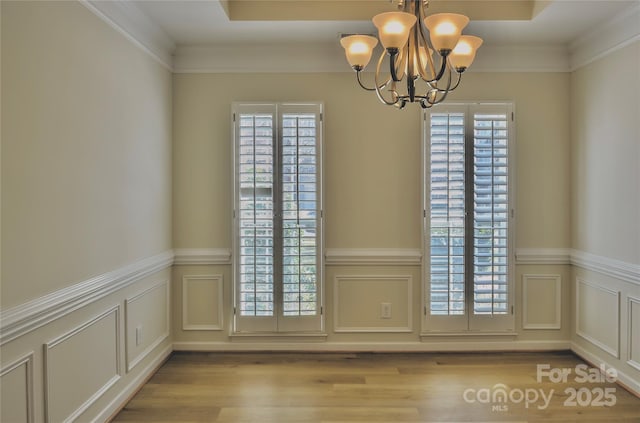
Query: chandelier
{"points": [[411, 56]]}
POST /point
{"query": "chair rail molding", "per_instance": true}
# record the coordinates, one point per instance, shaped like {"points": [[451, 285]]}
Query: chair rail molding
{"points": [[210, 256], [543, 256], [373, 256], [627, 272], [31, 315]]}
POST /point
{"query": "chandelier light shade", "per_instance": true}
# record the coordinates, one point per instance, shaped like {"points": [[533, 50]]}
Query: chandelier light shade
{"points": [[445, 30], [358, 49], [437, 60], [464, 52], [393, 28]]}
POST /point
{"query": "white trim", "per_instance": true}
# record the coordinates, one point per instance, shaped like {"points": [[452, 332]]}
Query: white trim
{"points": [[466, 334], [372, 329], [108, 384], [136, 383], [607, 266], [521, 58], [185, 302], [468, 346], [543, 256], [630, 361], [623, 379], [195, 256], [162, 337], [127, 19], [558, 285], [27, 361], [612, 35], [373, 256], [615, 352], [618, 269], [22, 319], [325, 57]]}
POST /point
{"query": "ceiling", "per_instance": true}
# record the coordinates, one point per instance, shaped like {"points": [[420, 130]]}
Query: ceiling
{"points": [[206, 22]]}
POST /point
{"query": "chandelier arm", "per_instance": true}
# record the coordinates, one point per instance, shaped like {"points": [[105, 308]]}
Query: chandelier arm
{"points": [[359, 78], [379, 87], [432, 95], [411, 88], [459, 74], [443, 67], [449, 87], [423, 37], [393, 54]]}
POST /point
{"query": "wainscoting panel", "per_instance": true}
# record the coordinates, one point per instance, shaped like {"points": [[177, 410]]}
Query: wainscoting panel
{"points": [[17, 402], [147, 322], [541, 301], [633, 307], [600, 328], [202, 302], [359, 302], [81, 365]]}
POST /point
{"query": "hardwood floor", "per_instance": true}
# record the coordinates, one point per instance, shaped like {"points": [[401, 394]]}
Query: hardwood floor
{"points": [[370, 387]]}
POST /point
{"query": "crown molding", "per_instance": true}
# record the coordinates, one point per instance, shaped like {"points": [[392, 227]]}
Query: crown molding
{"points": [[129, 20], [126, 18], [612, 35], [267, 58], [503, 58], [329, 57]]}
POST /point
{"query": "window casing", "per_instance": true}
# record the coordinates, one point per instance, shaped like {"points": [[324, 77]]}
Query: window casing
{"points": [[469, 218], [277, 217]]}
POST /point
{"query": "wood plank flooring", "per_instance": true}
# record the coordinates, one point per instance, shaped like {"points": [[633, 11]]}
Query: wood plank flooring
{"points": [[375, 387]]}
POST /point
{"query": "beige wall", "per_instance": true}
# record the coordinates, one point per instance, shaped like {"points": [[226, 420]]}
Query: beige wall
{"points": [[86, 140], [605, 133], [373, 194], [605, 117], [86, 193], [372, 156]]}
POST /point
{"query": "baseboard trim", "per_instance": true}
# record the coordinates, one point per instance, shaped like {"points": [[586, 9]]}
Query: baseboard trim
{"points": [[624, 379], [22, 319], [125, 395], [373, 346]]}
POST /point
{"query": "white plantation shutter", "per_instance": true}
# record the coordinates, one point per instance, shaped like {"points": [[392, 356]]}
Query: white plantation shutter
{"points": [[490, 213], [278, 261], [447, 212], [468, 207], [256, 211], [300, 214]]}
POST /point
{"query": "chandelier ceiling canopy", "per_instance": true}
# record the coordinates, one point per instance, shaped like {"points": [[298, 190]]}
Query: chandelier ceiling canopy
{"points": [[438, 60]]}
